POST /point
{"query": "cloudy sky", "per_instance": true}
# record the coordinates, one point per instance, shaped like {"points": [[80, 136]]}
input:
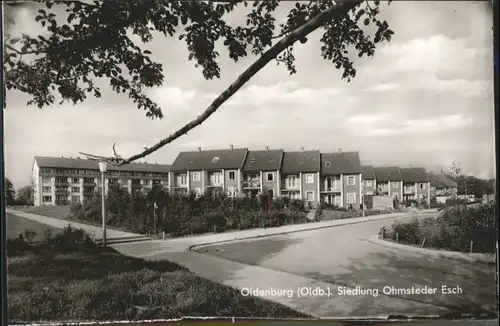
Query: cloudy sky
{"points": [[425, 99]]}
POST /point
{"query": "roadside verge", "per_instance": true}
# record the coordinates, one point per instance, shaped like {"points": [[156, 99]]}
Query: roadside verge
{"points": [[474, 257]]}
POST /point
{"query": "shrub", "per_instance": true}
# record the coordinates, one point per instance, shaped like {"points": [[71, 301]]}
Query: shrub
{"points": [[456, 229], [179, 215]]}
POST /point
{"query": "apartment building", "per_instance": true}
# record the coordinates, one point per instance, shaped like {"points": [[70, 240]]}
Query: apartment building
{"points": [[442, 187], [300, 176], [63, 180], [218, 170], [416, 185], [341, 179], [389, 182], [261, 172], [369, 180]]}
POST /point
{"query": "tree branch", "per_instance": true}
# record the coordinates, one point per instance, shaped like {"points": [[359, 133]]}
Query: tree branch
{"points": [[341, 7]]}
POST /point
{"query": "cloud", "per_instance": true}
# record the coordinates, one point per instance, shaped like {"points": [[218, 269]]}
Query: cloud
{"points": [[424, 127], [382, 88], [173, 98]]}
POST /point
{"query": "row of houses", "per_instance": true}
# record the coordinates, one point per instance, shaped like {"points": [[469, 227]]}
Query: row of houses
{"points": [[335, 178]]}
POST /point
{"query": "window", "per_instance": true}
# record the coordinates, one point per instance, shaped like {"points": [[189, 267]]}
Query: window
{"points": [[216, 178], [75, 189], [395, 184], [47, 189], [136, 181], [124, 182], [310, 178], [309, 195], [328, 164], [231, 191], [47, 199], [422, 186], [61, 189], [75, 199], [75, 180], [88, 180], [196, 176], [88, 189], [61, 180], [351, 198], [351, 180], [182, 179], [291, 181], [46, 179], [232, 175], [146, 182], [216, 159], [369, 183], [270, 176]]}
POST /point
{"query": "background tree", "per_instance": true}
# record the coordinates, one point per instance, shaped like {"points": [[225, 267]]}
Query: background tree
{"points": [[25, 196], [9, 192], [88, 41]]}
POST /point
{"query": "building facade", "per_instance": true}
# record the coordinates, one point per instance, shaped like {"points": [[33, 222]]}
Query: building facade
{"points": [[261, 172], [336, 178], [416, 185], [209, 170], [389, 182], [62, 180], [341, 179], [369, 180], [442, 187], [300, 176]]}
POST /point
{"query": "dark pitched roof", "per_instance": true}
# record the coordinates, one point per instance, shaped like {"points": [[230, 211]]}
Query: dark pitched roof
{"points": [[368, 172], [217, 159], [441, 181], [414, 175], [304, 161], [387, 173], [340, 163], [268, 160], [84, 164]]}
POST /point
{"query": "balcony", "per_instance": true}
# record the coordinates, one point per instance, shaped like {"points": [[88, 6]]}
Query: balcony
{"points": [[89, 184], [408, 190], [251, 184], [60, 192], [61, 183]]}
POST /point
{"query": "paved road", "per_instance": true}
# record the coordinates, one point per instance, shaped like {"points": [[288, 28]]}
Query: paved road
{"points": [[323, 259], [340, 256]]}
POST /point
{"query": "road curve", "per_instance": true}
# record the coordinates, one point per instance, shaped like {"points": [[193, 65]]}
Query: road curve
{"points": [[342, 257]]}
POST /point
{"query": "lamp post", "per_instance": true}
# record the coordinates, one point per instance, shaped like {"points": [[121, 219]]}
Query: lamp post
{"points": [[103, 167]]}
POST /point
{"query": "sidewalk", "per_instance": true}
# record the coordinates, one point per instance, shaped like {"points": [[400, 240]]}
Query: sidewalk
{"points": [[242, 276], [92, 231]]}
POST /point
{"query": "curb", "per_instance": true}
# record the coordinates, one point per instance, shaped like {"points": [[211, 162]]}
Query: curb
{"points": [[456, 255], [396, 215]]}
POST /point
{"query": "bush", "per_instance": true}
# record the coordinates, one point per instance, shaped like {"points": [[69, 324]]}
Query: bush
{"points": [[456, 229], [180, 215]]}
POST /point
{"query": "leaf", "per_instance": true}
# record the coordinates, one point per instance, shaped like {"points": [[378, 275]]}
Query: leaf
{"points": [[14, 41], [71, 17], [366, 21]]}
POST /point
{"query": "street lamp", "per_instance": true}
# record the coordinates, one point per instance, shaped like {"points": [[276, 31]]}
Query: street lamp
{"points": [[103, 167]]}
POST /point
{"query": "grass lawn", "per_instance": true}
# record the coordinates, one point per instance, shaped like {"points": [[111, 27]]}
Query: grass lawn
{"points": [[61, 212], [17, 225], [50, 281]]}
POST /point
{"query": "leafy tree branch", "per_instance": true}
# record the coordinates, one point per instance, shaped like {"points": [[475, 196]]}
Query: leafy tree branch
{"points": [[89, 46]]}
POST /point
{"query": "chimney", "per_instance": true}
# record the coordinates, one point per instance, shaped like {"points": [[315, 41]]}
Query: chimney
{"points": [[267, 148], [339, 150], [302, 149], [230, 146], [199, 149]]}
